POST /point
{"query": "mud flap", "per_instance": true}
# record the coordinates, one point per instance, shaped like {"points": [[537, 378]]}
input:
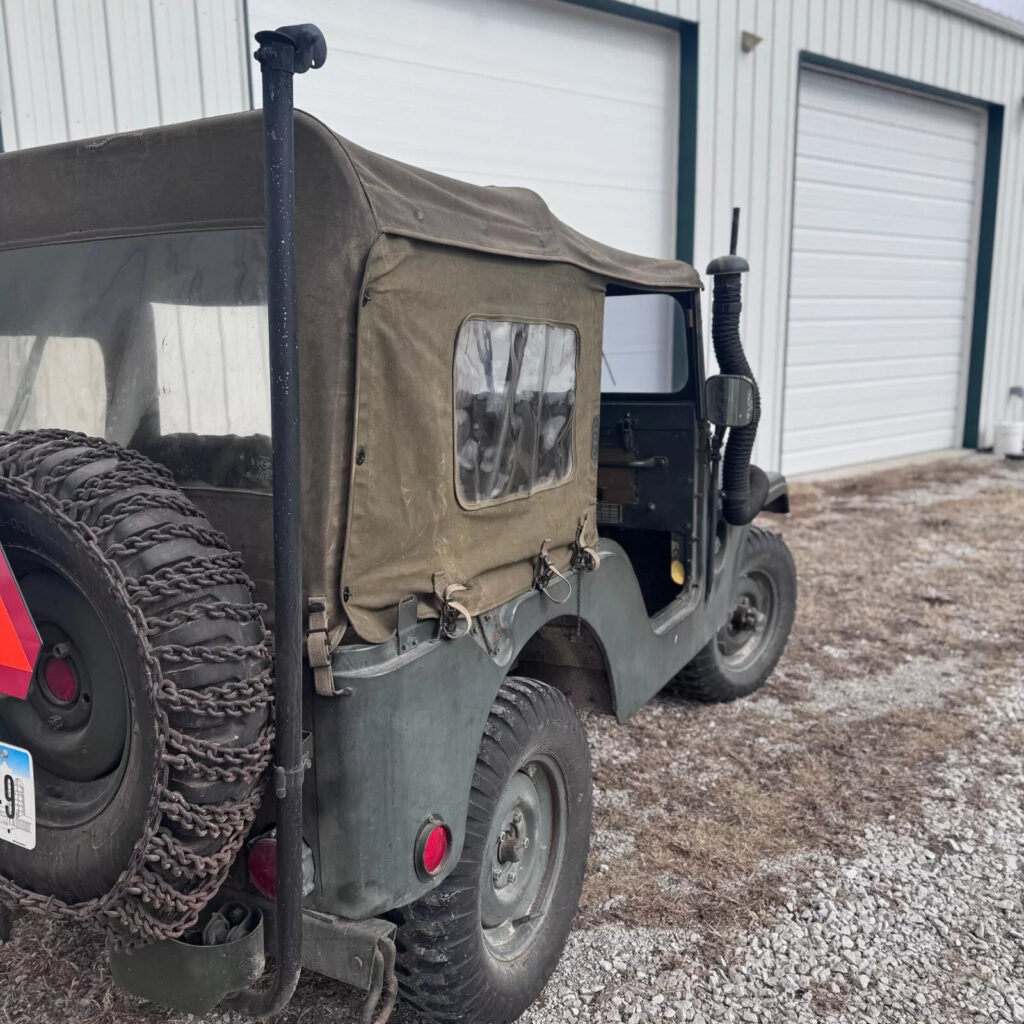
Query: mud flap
{"points": [[188, 975]]}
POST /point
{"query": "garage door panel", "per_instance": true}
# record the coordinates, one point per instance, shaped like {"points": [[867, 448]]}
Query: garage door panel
{"points": [[855, 405], [860, 267], [885, 208], [923, 287], [850, 150], [808, 439], [870, 244], [578, 105], [825, 171], [845, 308], [902, 439], [832, 207], [891, 140], [561, 142], [878, 370], [920, 334], [888, 107], [826, 212]]}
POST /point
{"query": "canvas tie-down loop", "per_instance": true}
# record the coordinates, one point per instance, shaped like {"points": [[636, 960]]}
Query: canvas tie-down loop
{"points": [[318, 647], [545, 573], [453, 614], [584, 559]]}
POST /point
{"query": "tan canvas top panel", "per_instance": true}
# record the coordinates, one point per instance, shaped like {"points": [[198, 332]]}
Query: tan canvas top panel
{"points": [[407, 529], [208, 174]]}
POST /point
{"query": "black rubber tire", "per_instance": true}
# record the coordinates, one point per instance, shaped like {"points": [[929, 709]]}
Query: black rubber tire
{"points": [[446, 969], [160, 531], [708, 677]]}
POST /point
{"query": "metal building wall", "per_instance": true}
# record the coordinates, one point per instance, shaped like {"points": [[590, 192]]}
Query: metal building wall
{"points": [[77, 68], [745, 150], [74, 68]]}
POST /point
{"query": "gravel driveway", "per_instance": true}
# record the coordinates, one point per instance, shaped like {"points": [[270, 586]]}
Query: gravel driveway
{"points": [[845, 846]]}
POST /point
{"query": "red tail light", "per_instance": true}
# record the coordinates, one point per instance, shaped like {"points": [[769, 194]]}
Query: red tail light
{"points": [[432, 846], [262, 864]]}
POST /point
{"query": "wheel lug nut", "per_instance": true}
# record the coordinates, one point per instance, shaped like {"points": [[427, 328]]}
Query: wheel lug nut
{"points": [[525, 842], [517, 817], [496, 875], [55, 722], [60, 651]]}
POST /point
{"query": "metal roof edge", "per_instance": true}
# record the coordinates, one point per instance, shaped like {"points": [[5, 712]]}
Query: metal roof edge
{"points": [[981, 15]]}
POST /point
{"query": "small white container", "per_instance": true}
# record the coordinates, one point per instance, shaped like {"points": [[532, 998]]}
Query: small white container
{"points": [[1009, 438]]}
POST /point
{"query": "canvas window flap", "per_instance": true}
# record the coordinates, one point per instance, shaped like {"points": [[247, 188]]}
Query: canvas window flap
{"points": [[406, 525]]}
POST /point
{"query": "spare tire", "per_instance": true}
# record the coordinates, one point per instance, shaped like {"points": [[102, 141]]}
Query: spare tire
{"points": [[149, 713]]}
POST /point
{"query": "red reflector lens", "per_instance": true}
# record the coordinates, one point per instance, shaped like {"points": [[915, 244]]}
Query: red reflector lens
{"points": [[435, 849], [263, 866], [59, 678]]}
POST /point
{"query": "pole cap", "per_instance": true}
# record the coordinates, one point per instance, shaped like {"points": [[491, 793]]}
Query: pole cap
{"points": [[730, 264]]}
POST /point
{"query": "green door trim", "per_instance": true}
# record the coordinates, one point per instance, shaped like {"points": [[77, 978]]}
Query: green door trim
{"points": [[986, 226], [686, 174]]}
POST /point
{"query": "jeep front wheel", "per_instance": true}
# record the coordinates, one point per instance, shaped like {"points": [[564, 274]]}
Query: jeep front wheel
{"points": [[482, 945], [748, 645]]}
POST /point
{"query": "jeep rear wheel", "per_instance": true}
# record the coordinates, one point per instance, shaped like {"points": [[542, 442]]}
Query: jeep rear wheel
{"points": [[482, 945], [750, 642], [148, 715]]}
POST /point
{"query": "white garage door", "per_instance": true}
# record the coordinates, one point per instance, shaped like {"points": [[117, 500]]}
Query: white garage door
{"points": [[580, 106], [885, 211]]}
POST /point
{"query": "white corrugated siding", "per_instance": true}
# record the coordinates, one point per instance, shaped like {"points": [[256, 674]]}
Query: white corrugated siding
{"points": [[71, 69], [886, 204], [746, 134], [746, 121]]}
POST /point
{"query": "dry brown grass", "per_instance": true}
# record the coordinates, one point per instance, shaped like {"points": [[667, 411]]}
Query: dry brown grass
{"points": [[912, 568]]}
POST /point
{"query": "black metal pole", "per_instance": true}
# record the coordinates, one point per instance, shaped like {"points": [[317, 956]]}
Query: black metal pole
{"points": [[282, 54]]}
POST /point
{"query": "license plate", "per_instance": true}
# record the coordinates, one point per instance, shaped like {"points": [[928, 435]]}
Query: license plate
{"points": [[17, 797]]}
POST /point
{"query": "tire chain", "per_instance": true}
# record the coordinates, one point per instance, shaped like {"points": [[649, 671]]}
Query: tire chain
{"points": [[166, 883]]}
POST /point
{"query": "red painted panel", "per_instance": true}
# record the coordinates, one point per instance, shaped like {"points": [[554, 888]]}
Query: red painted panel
{"points": [[19, 639]]}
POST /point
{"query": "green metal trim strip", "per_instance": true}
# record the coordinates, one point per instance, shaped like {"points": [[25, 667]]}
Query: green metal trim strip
{"points": [[686, 169], [986, 228], [983, 278]]}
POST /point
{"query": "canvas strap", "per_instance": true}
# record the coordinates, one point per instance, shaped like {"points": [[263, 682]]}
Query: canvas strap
{"points": [[318, 647], [455, 620], [545, 573], [584, 558]]}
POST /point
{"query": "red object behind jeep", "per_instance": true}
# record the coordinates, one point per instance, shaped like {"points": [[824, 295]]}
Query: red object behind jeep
{"points": [[19, 639]]}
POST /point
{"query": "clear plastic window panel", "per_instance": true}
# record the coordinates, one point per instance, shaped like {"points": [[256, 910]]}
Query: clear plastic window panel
{"points": [[515, 396], [156, 342], [644, 349]]}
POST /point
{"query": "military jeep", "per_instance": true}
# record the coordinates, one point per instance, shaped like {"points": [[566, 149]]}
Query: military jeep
{"points": [[318, 532]]}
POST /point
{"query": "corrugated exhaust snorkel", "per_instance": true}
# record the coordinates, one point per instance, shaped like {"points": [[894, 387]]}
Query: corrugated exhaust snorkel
{"points": [[744, 487]]}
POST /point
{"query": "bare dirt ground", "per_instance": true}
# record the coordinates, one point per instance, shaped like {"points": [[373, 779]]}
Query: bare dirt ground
{"points": [[845, 845]]}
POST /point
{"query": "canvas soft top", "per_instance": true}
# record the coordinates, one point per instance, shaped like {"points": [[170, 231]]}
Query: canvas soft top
{"points": [[357, 213], [203, 174]]}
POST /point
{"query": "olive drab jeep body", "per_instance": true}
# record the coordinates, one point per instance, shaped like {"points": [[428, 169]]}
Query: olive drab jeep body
{"points": [[473, 540]]}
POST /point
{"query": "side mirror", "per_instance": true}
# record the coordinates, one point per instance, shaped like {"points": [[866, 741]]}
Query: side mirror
{"points": [[730, 400]]}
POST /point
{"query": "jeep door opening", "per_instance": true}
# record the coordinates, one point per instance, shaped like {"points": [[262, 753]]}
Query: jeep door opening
{"points": [[317, 696]]}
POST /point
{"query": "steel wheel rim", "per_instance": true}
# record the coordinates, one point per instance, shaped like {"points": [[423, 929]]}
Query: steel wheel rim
{"points": [[80, 747], [747, 631], [519, 878]]}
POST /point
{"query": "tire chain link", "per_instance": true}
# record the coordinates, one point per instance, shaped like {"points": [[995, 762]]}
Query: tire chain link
{"points": [[166, 882]]}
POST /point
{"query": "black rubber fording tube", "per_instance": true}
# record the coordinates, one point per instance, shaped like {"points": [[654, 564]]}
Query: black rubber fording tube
{"points": [[745, 487]]}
